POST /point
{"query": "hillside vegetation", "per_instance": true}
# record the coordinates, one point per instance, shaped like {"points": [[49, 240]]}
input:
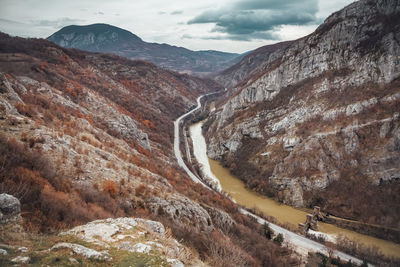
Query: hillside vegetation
{"points": [[89, 136]]}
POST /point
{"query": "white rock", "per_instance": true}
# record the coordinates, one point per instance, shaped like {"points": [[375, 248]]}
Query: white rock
{"points": [[101, 231], [326, 237], [23, 249], [156, 227], [175, 263], [154, 244], [141, 248], [3, 252], [290, 142], [73, 261], [83, 251], [21, 260]]}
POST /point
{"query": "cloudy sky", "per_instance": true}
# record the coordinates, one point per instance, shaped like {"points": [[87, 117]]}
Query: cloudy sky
{"points": [[225, 25]]}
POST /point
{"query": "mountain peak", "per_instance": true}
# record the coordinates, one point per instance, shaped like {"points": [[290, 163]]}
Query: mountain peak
{"points": [[95, 37], [106, 38]]}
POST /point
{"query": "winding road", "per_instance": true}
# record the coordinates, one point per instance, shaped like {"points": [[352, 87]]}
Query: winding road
{"points": [[299, 243], [177, 150]]}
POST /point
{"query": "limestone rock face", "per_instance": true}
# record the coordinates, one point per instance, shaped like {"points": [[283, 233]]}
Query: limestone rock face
{"points": [[183, 211], [220, 218], [315, 107], [127, 128], [255, 61]]}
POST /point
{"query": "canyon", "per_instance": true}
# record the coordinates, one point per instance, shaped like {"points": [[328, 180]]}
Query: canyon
{"points": [[317, 122], [88, 136], [108, 159]]}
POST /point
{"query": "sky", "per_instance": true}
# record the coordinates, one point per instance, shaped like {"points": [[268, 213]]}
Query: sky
{"points": [[225, 25]]}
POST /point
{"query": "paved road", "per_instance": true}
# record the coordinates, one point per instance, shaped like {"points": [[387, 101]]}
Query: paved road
{"points": [[177, 150], [299, 243]]}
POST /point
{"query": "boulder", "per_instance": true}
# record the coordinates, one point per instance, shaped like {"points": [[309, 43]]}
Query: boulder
{"points": [[10, 217], [183, 211], [21, 260], [220, 218], [9, 205]]}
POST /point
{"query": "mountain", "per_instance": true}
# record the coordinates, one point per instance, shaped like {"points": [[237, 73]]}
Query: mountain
{"points": [[96, 37], [110, 39], [316, 121], [87, 136], [255, 61]]}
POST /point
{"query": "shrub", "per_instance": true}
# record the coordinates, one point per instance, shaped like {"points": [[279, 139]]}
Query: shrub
{"points": [[279, 239], [268, 232], [48, 202], [110, 187], [140, 190]]}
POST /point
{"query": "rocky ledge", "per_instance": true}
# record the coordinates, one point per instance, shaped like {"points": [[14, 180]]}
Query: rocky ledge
{"points": [[124, 240]]}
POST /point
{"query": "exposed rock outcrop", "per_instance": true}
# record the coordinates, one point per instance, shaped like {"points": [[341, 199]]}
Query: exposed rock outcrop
{"points": [[253, 62], [183, 211], [21, 260], [221, 219], [134, 235], [83, 251], [326, 103], [10, 207], [10, 217]]}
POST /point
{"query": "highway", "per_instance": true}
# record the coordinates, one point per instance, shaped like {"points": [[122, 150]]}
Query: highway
{"points": [[298, 242]]}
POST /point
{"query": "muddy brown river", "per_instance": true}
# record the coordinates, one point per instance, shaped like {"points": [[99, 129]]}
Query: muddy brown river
{"points": [[287, 214]]}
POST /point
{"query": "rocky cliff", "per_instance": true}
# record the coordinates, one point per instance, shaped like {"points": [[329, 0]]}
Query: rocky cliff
{"points": [[319, 119], [110, 39], [251, 63]]}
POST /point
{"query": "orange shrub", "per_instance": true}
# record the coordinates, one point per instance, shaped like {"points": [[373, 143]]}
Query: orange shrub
{"points": [[149, 124], [26, 110], [141, 190], [143, 151], [110, 187]]}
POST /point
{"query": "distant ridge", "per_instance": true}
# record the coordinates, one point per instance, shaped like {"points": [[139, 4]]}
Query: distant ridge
{"points": [[110, 39]]}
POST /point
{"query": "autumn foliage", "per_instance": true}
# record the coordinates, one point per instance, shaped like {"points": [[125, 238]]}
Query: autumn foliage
{"points": [[48, 202], [49, 196], [110, 187]]}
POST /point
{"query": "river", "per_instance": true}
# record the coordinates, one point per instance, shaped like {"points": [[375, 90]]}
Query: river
{"points": [[282, 213]]}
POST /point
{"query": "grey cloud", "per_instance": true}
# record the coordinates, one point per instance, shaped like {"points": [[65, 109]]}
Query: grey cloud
{"points": [[98, 13], [258, 19], [176, 12], [267, 35], [304, 5], [162, 13], [58, 23]]}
